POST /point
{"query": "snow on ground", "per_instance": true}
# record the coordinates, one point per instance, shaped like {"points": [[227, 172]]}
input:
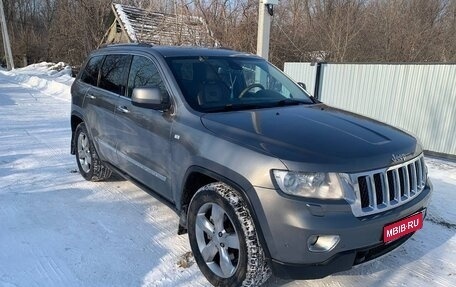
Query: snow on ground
{"points": [[53, 79], [57, 229]]}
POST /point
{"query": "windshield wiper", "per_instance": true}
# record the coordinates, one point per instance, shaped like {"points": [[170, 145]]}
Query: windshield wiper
{"points": [[234, 107], [291, 102], [247, 106]]}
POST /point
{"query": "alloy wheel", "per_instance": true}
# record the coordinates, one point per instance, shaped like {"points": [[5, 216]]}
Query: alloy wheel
{"points": [[217, 240], [84, 155]]}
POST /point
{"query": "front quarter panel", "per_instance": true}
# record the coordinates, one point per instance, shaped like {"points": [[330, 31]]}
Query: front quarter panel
{"points": [[194, 145]]}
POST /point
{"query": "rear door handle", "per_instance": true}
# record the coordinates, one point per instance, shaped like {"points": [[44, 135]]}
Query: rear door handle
{"points": [[122, 109], [90, 96]]}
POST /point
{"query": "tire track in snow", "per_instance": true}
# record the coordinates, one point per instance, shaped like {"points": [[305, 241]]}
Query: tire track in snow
{"points": [[167, 225]]}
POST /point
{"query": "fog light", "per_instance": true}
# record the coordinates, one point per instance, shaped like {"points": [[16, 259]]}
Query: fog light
{"points": [[322, 243]]}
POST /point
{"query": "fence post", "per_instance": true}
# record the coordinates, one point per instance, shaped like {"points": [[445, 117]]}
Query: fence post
{"points": [[318, 80]]}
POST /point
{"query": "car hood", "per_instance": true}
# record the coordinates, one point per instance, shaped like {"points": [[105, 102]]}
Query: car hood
{"points": [[315, 138]]}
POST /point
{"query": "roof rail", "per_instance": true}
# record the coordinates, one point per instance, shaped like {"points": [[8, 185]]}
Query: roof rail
{"points": [[138, 44], [224, 48]]}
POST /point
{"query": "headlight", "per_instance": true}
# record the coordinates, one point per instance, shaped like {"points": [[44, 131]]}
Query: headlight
{"points": [[309, 184]]}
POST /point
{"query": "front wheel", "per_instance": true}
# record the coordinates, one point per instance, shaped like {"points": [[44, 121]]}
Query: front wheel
{"points": [[223, 238]]}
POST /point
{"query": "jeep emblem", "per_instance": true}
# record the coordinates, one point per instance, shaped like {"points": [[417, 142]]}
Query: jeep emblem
{"points": [[399, 157]]}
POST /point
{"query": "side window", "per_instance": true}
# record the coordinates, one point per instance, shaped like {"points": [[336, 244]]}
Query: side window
{"points": [[143, 73], [113, 73], [90, 73]]}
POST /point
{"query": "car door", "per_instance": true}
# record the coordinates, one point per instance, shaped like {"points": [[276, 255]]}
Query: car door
{"points": [[99, 106], [143, 146]]}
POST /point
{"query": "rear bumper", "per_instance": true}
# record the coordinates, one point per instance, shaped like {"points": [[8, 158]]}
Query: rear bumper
{"points": [[288, 223]]}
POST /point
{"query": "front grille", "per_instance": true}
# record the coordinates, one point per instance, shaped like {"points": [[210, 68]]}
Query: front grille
{"points": [[380, 190]]}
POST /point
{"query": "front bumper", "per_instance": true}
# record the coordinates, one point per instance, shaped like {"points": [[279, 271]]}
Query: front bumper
{"points": [[287, 223], [339, 262]]}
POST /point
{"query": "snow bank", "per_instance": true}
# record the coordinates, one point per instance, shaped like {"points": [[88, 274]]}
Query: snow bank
{"points": [[50, 78]]}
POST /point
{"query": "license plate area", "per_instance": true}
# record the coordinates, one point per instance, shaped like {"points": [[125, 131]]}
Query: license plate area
{"points": [[403, 227]]}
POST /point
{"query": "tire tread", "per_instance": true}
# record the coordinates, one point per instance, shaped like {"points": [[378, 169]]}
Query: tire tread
{"points": [[258, 270], [99, 171]]}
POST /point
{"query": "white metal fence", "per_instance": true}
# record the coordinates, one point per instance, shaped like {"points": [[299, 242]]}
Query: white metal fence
{"points": [[302, 72], [420, 98]]}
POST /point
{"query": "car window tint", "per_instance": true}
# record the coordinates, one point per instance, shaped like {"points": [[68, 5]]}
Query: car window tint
{"points": [[143, 73], [113, 73], [90, 73]]}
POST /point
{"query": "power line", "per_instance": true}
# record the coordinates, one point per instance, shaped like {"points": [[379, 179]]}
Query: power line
{"points": [[289, 38]]}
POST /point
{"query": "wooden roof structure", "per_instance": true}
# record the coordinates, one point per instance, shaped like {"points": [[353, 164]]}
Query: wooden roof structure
{"points": [[135, 25]]}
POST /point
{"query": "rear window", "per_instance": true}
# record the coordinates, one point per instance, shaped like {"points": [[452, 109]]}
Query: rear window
{"points": [[90, 73], [113, 73]]}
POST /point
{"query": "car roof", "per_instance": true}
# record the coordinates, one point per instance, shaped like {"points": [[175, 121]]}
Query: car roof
{"points": [[171, 51], [178, 51]]}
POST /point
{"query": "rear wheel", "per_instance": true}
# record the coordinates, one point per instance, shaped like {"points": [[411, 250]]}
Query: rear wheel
{"points": [[89, 164], [223, 238]]}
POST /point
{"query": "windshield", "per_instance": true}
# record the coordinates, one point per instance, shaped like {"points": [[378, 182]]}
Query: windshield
{"points": [[212, 84]]}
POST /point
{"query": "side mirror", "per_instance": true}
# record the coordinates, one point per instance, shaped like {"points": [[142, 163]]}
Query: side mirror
{"points": [[302, 85], [149, 97]]}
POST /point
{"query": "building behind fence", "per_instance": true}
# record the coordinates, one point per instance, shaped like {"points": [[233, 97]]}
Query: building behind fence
{"points": [[419, 98]]}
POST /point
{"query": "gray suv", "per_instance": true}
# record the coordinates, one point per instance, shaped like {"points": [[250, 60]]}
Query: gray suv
{"points": [[265, 178]]}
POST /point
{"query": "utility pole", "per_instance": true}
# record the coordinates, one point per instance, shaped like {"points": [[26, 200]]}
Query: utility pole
{"points": [[264, 26], [6, 42]]}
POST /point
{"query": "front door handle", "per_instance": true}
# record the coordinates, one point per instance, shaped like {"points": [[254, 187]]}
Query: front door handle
{"points": [[90, 96], [122, 109]]}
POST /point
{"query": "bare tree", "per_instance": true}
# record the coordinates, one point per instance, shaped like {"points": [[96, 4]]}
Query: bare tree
{"points": [[338, 30], [336, 23], [448, 49], [233, 23]]}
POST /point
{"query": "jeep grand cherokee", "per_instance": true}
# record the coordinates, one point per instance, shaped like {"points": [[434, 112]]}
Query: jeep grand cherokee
{"points": [[265, 178]]}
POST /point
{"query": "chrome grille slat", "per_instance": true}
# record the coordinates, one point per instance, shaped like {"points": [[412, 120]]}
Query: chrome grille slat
{"points": [[414, 187], [419, 173], [397, 185], [384, 189], [406, 182], [372, 192], [423, 172]]}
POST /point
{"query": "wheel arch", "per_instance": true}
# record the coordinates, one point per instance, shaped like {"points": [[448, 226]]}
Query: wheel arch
{"points": [[76, 119], [203, 176]]}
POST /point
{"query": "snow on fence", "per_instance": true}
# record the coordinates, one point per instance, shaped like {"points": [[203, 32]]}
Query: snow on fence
{"points": [[419, 98]]}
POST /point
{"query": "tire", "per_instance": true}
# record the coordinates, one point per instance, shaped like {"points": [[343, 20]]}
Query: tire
{"points": [[89, 164], [218, 215]]}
